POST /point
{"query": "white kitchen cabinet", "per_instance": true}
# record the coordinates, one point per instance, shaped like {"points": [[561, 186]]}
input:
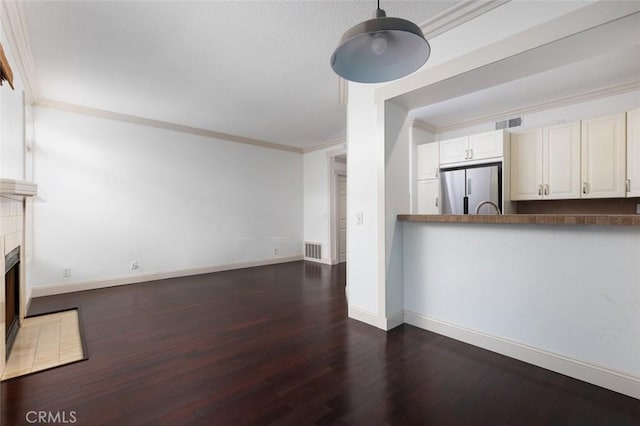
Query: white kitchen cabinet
{"points": [[429, 196], [486, 145], [603, 157], [561, 161], [428, 161], [526, 165], [475, 147], [545, 163], [633, 153], [454, 150]]}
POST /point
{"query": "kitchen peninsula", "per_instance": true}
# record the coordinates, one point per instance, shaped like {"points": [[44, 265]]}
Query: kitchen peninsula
{"points": [[558, 291]]}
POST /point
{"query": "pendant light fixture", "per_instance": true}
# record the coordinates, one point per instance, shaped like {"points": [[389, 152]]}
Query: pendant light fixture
{"points": [[380, 49]]}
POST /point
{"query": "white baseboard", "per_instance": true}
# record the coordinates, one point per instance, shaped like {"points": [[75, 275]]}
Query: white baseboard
{"points": [[590, 373], [329, 262], [62, 288], [366, 317], [394, 321]]}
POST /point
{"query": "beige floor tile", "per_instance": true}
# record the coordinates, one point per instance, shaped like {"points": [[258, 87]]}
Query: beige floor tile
{"points": [[44, 342]]}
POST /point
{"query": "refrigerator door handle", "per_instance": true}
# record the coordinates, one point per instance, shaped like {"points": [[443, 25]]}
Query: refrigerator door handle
{"points": [[468, 186]]}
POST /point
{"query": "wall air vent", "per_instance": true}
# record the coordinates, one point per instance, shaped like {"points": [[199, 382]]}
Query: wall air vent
{"points": [[312, 250], [507, 124]]}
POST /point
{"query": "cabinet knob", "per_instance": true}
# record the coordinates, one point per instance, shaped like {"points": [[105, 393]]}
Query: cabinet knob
{"points": [[436, 201], [628, 185], [470, 153], [466, 154], [584, 187]]}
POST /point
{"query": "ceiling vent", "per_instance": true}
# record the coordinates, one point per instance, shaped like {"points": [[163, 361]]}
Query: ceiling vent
{"points": [[507, 124]]}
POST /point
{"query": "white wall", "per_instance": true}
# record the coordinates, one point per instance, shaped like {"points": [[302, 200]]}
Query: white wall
{"points": [[317, 201], [365, 194], [118, 192], [366, 147], [397, 200], [568, 290], [11, 121], [583, 110]]}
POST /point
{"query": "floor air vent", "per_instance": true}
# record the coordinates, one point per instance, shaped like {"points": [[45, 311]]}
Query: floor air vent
{"points": [[312, 250]]}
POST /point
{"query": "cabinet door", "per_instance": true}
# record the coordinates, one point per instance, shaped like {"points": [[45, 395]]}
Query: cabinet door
{"points": [[427, 161], [454, 150], [603, 157], [526, 165], [428, 196], [633, 153], [486, 145], [561, 161]]}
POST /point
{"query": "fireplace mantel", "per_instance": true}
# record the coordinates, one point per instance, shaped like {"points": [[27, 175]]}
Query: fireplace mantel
{"points": [[18, 188]]}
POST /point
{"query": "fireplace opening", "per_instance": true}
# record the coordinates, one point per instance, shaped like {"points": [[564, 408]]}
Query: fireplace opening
{"points": [[12, 297]]}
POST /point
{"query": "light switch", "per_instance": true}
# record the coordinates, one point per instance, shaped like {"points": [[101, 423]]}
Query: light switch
{"points": [[359, 218]]}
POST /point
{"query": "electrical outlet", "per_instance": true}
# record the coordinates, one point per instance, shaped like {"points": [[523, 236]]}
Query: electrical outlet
{"points": [[133, 265], [66, 272], [275, 251]]}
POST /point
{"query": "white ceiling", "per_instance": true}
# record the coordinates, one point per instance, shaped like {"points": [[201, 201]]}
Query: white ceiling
{"points": [[609, 69], [255, 69]]}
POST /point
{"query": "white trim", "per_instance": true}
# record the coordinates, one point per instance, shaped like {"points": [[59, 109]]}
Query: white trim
{"points": [[142, 121], [598, 375], [12, 16], [421, 125], [323, 261], [49, 290], [366, 317], [457, 15], [18, 187], [337, 143], [394, 321], [591, 95]]}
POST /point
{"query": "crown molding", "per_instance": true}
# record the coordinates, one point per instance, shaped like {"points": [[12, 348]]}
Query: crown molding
{"points": [[329, 144], [457, 15], [591, 95], [421, 125], [12, 17], [142, 121]]}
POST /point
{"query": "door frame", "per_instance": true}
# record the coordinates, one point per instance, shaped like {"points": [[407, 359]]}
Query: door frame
{"points": [[333, 204]]}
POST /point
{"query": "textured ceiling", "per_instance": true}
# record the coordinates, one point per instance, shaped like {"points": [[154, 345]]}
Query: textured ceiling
{"points": [[256, 69]]}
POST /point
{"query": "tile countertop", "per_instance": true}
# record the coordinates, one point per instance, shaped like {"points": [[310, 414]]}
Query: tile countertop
{"points": [[525, 219]]}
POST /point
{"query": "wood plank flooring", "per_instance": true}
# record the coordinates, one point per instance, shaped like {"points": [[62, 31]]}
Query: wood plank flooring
{"points": [[273, 345]]}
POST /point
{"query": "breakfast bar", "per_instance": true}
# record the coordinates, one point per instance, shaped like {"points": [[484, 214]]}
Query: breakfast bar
{"points": [[559, 291]]}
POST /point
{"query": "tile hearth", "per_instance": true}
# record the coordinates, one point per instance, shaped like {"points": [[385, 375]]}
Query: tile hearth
{"points": [[44, 342]]}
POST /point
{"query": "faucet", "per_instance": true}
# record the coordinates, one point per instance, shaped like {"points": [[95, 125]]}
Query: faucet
{"points": [[482, 203]]}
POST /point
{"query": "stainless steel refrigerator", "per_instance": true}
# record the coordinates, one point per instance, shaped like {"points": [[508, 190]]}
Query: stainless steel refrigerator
{"points": [[463, 188]]}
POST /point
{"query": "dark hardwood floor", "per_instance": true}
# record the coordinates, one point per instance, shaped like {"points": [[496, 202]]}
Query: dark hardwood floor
{"points": [[273, 345]]}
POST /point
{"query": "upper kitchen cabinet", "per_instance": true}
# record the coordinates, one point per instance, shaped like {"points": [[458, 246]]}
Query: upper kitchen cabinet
{"points": [[561, 161], [454, 150], [545, 163], [633, 153], [603, 157], [472, 148], [427, 161], [526, 165]]}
